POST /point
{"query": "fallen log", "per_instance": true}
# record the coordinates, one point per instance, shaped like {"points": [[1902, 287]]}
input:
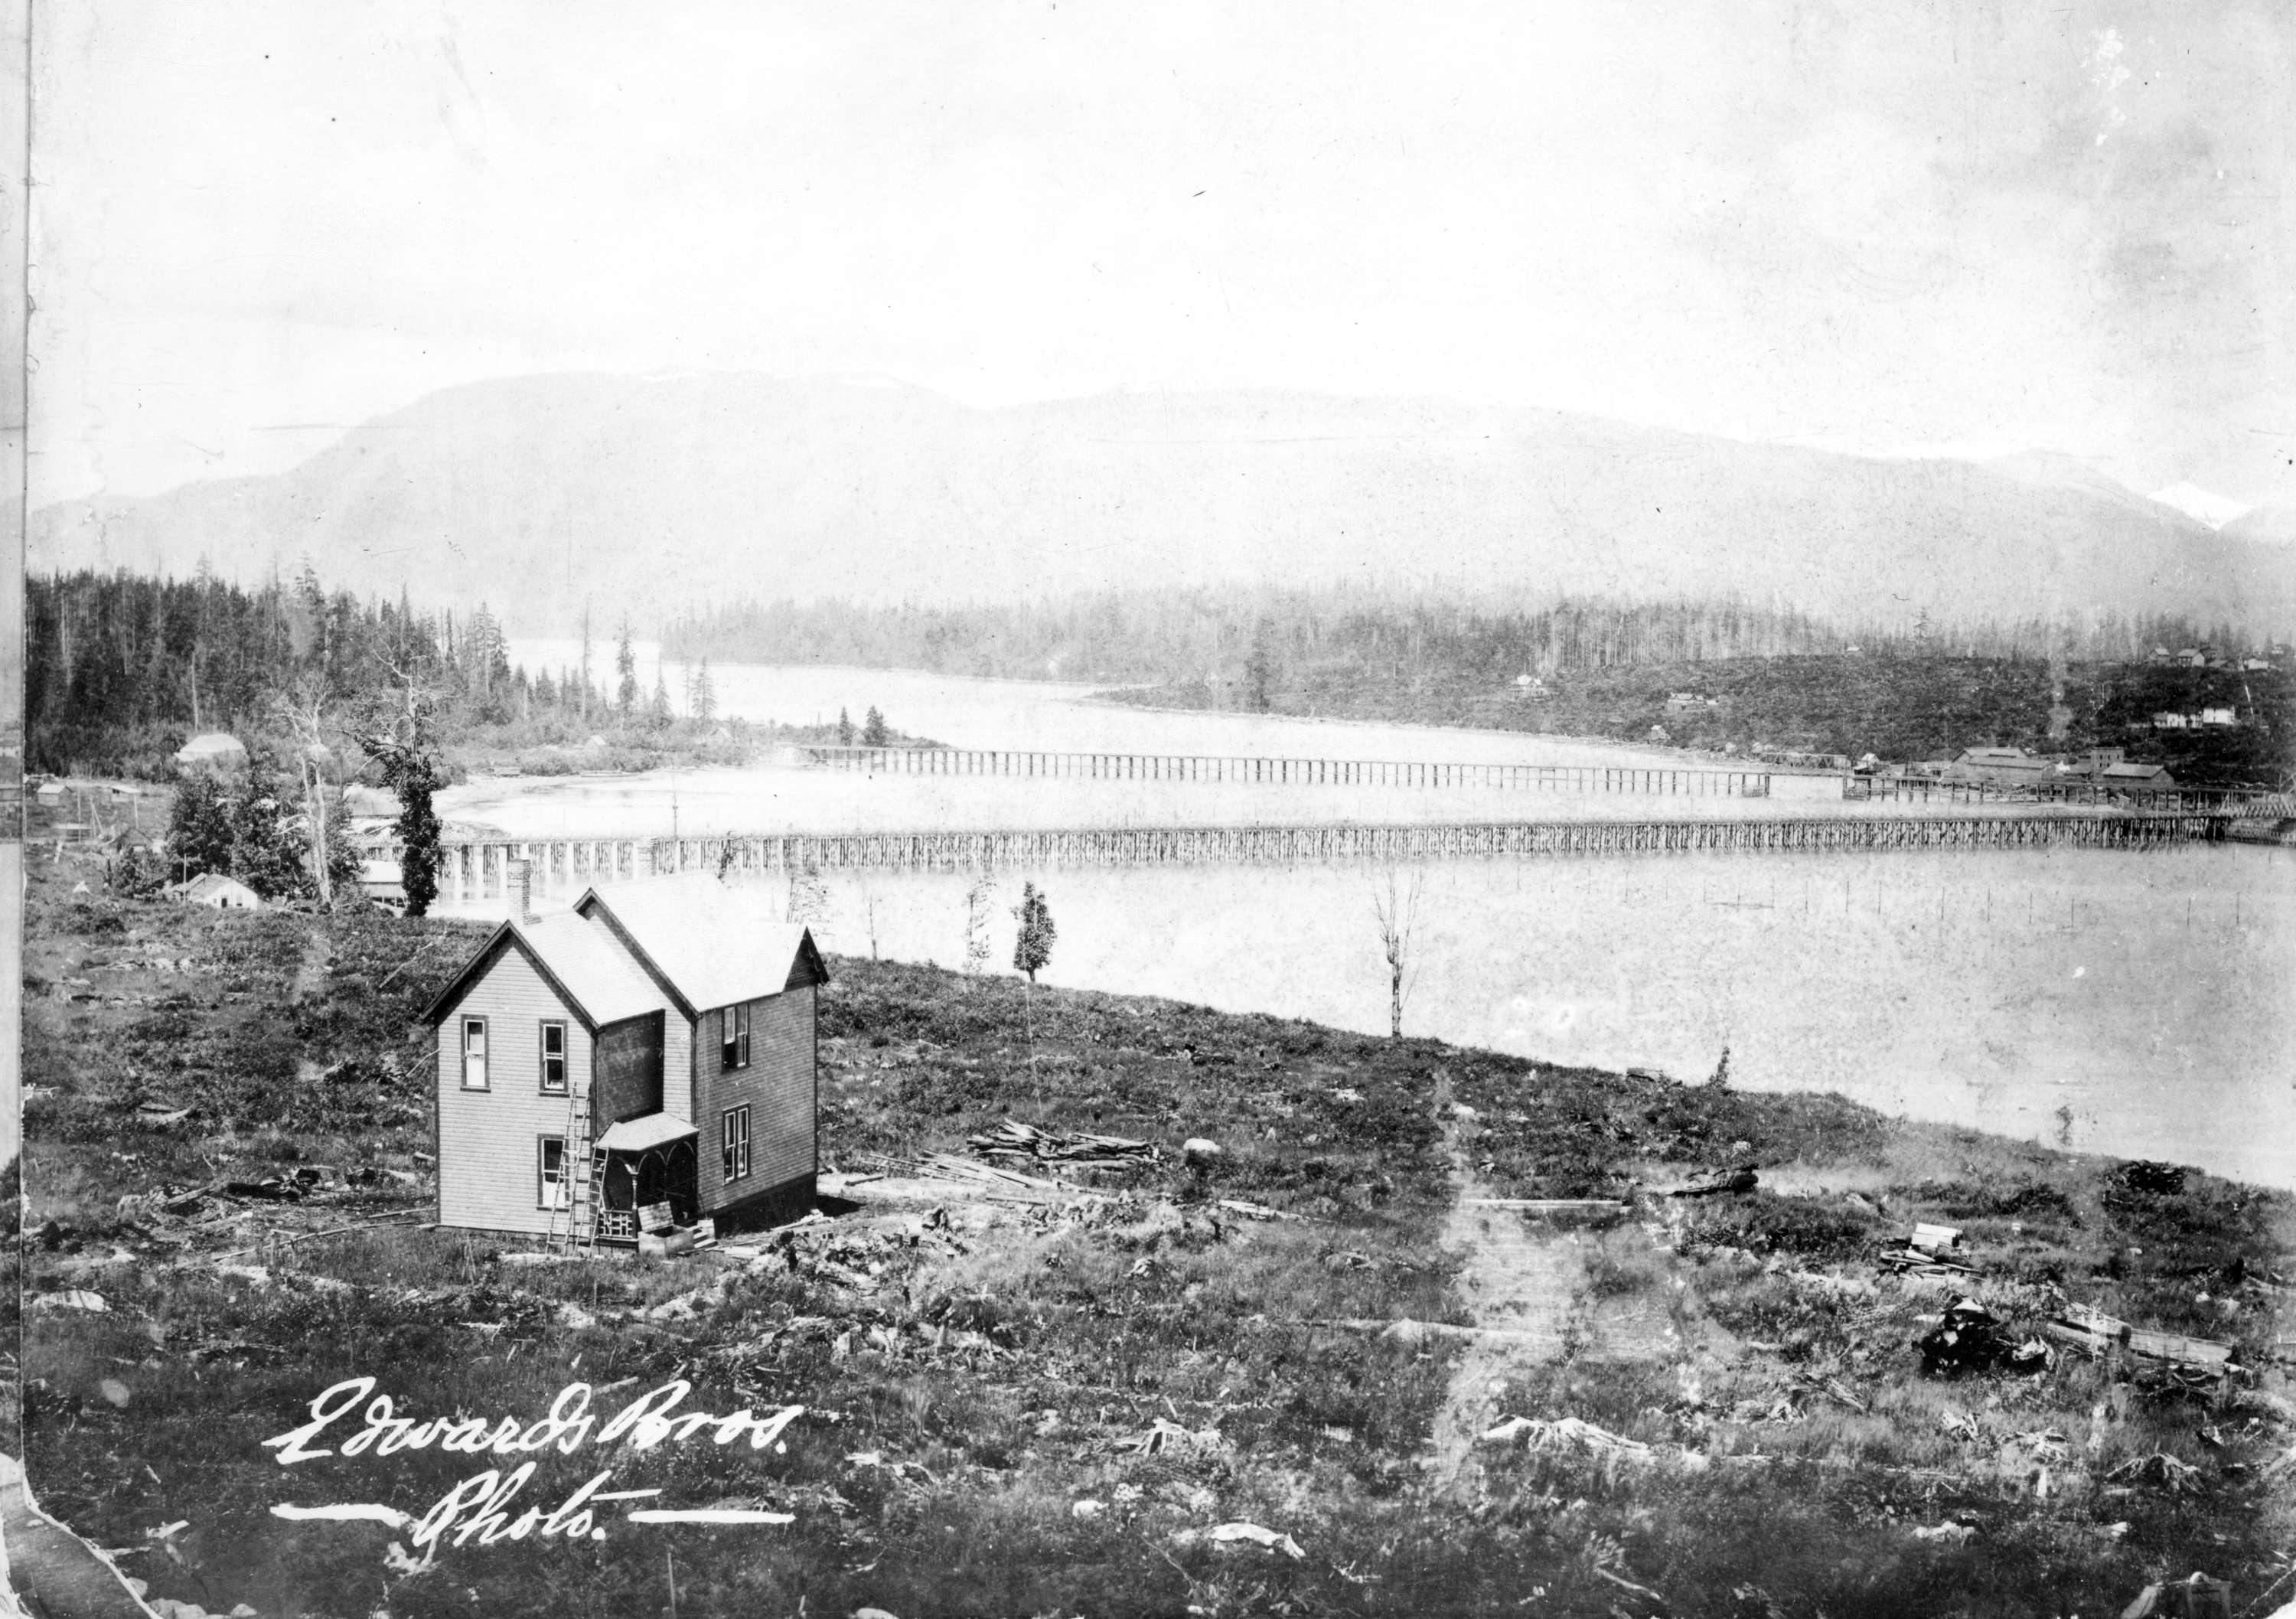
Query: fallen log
{"points": [[1714, 1183]]}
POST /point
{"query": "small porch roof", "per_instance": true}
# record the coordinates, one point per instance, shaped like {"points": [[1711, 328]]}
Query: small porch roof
{"points": [[644, 1132]]}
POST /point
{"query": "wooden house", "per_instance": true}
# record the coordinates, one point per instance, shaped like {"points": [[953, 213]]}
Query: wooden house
{"points": [[653, 1047]]}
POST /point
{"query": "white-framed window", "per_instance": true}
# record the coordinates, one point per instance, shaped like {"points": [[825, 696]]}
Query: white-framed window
{"points": [[553, 1056], [550, 1171], [734, 1037], [474, 1054], [734, 1136]]}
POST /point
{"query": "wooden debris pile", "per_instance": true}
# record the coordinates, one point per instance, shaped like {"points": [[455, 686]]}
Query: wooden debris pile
{"points": [[1971, 1339], [2170, 1364], [2170, 1473], [1933, 1251], [1072, 1149]]}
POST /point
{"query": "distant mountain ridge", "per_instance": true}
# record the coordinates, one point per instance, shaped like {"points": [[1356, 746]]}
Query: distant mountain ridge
{"points": [[653, 495]]}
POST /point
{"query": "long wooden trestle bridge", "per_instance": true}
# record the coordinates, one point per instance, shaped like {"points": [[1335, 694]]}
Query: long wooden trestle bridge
{"points": [[478, 870], [1274, 771]]}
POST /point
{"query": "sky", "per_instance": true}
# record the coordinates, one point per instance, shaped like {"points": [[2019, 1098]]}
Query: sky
{"points": [[1885, 226]]}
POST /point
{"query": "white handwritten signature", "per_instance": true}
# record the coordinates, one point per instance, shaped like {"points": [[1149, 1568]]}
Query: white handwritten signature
{"points": [[478, 1508]]}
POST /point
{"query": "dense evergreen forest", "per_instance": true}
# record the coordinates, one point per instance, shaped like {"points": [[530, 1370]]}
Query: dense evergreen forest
{"points": [[120, 669]]}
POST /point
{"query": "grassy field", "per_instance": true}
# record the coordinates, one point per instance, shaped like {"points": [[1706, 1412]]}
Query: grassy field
{"points": [[1045, 1408]]}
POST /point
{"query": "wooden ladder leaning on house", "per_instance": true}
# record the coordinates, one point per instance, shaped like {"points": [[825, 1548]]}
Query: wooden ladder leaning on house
{"points": [[583, 1168]]}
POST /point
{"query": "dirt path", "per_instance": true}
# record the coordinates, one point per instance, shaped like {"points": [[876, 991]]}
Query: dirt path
{"points": [[1518, 1280]]}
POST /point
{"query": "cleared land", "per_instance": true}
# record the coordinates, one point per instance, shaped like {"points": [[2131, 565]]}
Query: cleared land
{"points": [[976, 1368]]}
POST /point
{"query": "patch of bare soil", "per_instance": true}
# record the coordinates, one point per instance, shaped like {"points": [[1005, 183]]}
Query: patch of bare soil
{"points": [[1521, 1286], [311, 971]]}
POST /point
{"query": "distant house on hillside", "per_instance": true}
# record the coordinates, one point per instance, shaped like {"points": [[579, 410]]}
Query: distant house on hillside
{"points": [[212, 888], [211, 751], [2166, 719], [2219, 716], [1999, 767], [653, 1048]]}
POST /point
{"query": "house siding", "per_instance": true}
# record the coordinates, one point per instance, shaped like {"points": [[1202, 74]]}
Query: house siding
{"points": [[486, 1138], [778, 1086]]}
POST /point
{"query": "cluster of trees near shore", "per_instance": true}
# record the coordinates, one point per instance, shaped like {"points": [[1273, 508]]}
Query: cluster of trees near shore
{"points": [[118, 669], [323, 689]]}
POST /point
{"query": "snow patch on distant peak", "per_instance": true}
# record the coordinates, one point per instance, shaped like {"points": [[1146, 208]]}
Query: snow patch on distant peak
{"points": [[2205, 505]]}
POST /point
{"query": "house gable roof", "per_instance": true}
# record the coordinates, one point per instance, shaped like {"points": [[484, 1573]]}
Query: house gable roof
{"points": [[707, 942], [595, 980]]}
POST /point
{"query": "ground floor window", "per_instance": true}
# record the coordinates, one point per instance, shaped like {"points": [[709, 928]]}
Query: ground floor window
{"points": [[734, 1137], [550, 1169]]}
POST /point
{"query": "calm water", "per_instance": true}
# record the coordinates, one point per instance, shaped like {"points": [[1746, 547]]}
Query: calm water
{"points": [[1055, 718], [2137, 1004]]}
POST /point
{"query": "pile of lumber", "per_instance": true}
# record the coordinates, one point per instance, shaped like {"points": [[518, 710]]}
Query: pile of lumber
{"points": [[1072, 1149], [1930, 1251]]}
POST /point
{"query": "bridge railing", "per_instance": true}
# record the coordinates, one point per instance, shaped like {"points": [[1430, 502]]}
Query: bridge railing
{"points": [[1292, 771]]}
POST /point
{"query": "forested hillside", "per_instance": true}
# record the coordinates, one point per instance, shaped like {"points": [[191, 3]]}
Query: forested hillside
{"points": [[1247, 641]]}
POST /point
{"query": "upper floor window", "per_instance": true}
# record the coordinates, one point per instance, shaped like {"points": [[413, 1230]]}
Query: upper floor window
{"points": [[474, 1054], [735, 1036], [553, 1056]]}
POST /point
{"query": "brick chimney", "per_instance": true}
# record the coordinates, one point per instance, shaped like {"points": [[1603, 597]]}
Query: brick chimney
{"points": [[521, 885]]}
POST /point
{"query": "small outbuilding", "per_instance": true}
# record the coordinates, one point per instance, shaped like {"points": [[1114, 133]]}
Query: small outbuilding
{"points": [[211, 751], [383, 882], [212, 888]]}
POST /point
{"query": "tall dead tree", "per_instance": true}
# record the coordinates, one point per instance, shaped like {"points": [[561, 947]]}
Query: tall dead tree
{"points": [[303, 709], [1394, 899]]}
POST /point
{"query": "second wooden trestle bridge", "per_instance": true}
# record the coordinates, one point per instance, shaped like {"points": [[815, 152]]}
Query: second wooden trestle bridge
{"points": [[480, 869]]}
